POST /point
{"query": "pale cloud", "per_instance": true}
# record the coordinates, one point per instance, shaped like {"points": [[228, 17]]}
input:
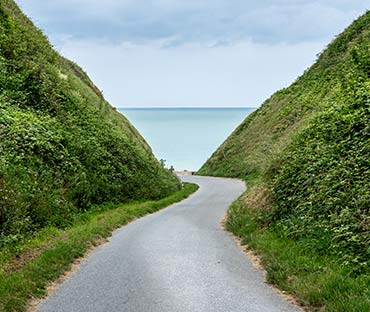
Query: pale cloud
{"points": [[196, 20], [244, 74], [192, 52]]}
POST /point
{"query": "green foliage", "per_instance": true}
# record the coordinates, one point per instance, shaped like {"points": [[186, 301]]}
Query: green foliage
{"points": [[63, 147], [317, 281], [322, 190], [308, 148], [30, 267]]}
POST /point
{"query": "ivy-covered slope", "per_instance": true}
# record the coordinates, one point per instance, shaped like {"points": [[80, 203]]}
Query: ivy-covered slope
{"points": [[63, 148], [306, 152]]}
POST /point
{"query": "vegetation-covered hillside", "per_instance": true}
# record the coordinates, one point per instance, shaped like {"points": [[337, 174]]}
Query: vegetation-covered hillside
{"points": [[306, 155], [63, 148]]}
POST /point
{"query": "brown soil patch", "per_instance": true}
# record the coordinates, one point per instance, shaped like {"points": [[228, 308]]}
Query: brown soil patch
{"points": [[259, 198], [19, 261]]}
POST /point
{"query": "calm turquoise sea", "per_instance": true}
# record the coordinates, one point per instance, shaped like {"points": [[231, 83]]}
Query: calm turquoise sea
{"points": [[185, 137]]}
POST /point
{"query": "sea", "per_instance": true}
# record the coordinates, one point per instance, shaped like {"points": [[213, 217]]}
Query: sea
{"points": [[185, 137]]}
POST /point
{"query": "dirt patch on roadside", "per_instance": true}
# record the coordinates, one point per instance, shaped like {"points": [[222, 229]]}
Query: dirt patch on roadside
{"points": [[54, 286], [19, 261], [257, 264]]}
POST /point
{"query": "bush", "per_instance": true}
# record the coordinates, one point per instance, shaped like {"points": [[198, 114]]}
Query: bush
{"points": [[63, 147]]}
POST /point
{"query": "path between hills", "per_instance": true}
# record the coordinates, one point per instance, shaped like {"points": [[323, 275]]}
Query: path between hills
{"points": [[177, 260]]}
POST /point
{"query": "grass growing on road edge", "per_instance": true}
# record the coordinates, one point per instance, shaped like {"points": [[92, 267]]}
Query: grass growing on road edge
{"points": [[306, 152], [51, 252], [318, 282]]}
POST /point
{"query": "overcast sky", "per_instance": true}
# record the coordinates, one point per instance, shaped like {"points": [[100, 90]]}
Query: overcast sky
{"points": [[159, 53]]}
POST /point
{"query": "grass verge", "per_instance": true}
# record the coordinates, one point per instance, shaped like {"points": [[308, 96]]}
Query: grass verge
{"points": [[51, 252], [318, 281]]}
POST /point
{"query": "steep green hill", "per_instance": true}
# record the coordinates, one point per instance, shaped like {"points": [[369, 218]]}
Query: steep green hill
{"points": [[63, 148], [306, 154]]}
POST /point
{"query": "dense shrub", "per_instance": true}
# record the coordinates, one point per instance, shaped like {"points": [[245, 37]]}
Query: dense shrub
{"points": [[63, 148], [309, 144]]}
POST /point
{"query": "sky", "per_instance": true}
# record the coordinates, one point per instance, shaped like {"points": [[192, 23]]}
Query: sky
{"points": [[192, 53]]}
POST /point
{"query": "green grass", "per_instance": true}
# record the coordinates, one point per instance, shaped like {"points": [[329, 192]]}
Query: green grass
{"points": [[51, 251], [318, 281], [305, 154]]}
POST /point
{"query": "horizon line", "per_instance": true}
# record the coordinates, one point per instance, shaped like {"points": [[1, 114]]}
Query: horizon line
{"points": [[188, 107]]}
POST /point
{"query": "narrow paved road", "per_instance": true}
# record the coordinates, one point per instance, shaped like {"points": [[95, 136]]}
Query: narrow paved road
{"points": [[177, 260]]}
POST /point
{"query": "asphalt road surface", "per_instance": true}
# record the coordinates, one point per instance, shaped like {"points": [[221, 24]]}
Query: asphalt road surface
{"points": [[177, 260]]}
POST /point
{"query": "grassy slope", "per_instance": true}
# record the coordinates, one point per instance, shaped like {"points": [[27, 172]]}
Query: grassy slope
{"points": [[51, 252], [63, 147], [268, 131], [306, 154]]}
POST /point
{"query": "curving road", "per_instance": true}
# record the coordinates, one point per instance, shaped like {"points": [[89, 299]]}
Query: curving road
{"points": [[177, 260]]}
